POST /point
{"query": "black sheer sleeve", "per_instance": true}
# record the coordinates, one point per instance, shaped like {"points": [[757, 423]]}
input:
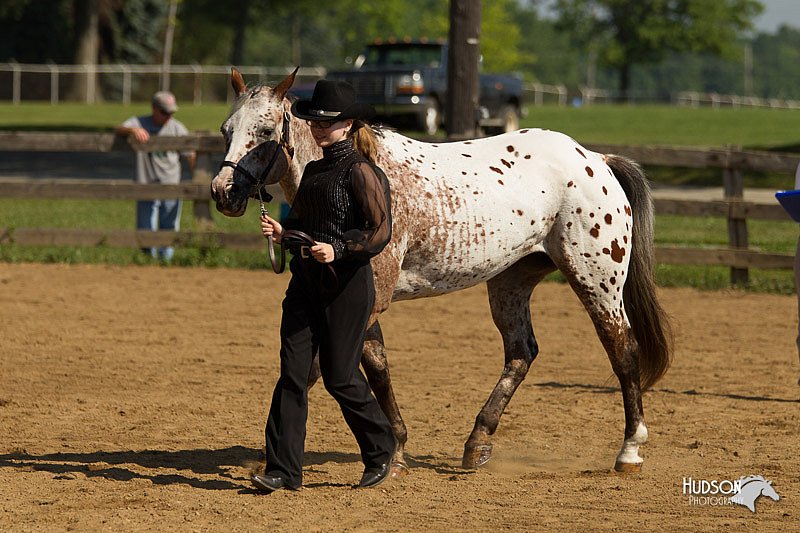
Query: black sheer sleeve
{"points": [[372, 196]]}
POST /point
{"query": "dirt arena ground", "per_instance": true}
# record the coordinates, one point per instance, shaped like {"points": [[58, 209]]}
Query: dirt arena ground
{"points": [[134, 398]]}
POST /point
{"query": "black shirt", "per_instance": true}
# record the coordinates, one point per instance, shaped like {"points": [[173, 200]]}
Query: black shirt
{"points": [[344, 200]]}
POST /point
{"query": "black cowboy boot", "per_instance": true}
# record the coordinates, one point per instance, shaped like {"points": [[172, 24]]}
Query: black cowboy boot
{"points": [[374, 476], [266, 483]]}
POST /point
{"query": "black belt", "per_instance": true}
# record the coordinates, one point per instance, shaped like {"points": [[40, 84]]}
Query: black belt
{"points": [[300, 243]]}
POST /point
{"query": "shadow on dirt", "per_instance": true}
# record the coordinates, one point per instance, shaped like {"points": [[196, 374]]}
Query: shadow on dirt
{"points": [[111, 465], [603, 389], [104, 464]]}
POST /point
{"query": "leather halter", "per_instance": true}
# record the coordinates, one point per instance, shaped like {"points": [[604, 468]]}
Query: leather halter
{"points": [[258, 183]]}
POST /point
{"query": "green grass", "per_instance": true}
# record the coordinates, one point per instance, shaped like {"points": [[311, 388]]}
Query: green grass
{"points": [[753, 128], [766, 129]]}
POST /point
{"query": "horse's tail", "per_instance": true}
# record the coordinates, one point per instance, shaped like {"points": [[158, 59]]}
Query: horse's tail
{"points": [[649, 321]]}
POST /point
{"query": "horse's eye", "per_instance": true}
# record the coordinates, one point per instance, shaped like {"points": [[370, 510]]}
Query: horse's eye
{"points": [[267, 132]]}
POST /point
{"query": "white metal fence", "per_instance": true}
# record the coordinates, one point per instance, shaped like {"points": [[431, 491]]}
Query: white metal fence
{"points": [[126, 83], [698, 99], [198, 84]]}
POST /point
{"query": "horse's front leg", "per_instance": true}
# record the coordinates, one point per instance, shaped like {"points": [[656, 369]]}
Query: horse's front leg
{"points": [[376, 368], [509, 299]]}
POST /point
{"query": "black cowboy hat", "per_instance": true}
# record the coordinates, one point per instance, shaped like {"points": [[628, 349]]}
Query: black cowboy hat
{"points": [[332, 100]]}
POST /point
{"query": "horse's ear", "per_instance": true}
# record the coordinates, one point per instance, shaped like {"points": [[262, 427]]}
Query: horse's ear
{"points": [[237, 82], [283, 87]]}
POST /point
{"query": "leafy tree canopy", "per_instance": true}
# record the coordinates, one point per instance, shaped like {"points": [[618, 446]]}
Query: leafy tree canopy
{"points": [[630, 32]]}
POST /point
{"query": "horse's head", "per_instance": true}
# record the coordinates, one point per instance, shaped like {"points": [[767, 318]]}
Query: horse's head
{"points": [[769, 491], [257, 150]]}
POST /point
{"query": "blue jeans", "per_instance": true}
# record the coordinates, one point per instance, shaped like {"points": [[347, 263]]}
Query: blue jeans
{"points": [[159, 215]]}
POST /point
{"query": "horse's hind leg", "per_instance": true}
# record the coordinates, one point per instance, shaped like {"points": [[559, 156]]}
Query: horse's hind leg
{"points": [[376, 369], [509, 299], [605, 307]]}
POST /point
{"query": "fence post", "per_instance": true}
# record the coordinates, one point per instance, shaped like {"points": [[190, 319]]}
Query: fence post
{"points": [[737, 227], [16, 83], [126, 85], [202, 174], [53, 68]]}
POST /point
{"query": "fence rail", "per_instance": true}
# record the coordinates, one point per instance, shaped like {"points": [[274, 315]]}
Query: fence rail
{"points": [[732, 162], [122, 82], [716, 100], [198, 84]]}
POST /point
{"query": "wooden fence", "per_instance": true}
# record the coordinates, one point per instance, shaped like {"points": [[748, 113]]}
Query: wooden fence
{"points": [[732, 162]]}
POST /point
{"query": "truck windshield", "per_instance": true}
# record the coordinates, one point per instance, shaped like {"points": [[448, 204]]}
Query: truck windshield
{"points": [[403, 56]]}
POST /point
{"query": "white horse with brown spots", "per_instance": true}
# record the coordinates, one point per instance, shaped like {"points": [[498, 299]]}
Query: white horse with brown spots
{"points": [[504, 210]]}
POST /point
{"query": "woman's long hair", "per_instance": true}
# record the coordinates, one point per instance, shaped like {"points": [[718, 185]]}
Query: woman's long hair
{"points": [[364, 139]]}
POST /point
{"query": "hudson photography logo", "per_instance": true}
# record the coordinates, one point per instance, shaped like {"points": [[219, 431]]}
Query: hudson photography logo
{"points": [[715, 492]]}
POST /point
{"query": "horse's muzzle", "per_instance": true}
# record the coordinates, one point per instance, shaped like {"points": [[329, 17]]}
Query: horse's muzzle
{"points": [[225, 204]]}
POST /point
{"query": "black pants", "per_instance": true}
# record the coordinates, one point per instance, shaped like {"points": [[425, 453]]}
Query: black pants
{"points": [[330, 316]]}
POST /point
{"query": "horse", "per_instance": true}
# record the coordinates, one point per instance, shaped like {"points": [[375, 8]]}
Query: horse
{"points": [[506, 210], [751, 488]]}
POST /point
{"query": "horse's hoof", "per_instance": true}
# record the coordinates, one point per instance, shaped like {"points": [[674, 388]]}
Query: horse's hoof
{"points": [[398, 470], [475, 456], [628, 468]]}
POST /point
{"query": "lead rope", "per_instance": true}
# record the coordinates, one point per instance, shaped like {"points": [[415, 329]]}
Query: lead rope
{"points": [[278, 269]]}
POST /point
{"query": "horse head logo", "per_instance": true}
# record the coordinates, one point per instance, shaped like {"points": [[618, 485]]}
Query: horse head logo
{"points": [[751, 487]]}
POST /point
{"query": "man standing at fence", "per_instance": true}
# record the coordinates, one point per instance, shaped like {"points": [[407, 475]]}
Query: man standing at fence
{"points": [[158, 167]]}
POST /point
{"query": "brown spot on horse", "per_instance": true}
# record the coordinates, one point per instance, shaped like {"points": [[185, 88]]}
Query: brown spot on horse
{"points": [[617, 253]]}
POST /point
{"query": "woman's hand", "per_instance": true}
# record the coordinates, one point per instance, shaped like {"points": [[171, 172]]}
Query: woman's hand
{"points": [[322, 252], [271, 227]]}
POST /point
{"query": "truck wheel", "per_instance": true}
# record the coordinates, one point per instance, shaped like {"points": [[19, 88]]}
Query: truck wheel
{"points": [[430, 118]]}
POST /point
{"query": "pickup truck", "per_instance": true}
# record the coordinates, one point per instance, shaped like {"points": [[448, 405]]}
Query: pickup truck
{"points": [[408, 80]]}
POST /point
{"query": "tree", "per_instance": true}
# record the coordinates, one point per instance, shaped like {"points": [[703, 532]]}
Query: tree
{"points": [[501, 36], [625, 33], [776, 64], [36, 31]]}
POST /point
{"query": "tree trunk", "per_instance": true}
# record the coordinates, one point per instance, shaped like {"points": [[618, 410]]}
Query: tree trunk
{"points": [[462, 68], [86, 50], [169, 34], [237, 54]]}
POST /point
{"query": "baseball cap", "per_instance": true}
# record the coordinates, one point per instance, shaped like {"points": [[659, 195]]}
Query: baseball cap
{"points": [[165, 101]]}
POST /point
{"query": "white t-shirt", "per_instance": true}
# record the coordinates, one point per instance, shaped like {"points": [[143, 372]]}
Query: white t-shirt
{"points": [[158, 167]]}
